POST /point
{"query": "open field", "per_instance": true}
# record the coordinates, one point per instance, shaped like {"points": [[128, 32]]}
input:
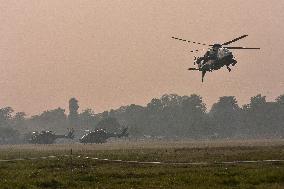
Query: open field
{"points": [[73, 171]]}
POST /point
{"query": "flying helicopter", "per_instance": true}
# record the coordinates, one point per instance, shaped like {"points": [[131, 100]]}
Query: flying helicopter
{"points": [[217, 56]]}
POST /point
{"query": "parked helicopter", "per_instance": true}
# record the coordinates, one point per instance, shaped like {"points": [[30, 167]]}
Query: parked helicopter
{"points": [[216, 57], [101, 136], [48, 137]]}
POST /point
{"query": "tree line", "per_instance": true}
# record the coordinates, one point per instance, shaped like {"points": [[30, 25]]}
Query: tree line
{"points": [[170, 116]]}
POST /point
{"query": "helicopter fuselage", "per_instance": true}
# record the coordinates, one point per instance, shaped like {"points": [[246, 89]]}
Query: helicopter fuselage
{"points": [[48, 137], [214, 59], [101, 136]]}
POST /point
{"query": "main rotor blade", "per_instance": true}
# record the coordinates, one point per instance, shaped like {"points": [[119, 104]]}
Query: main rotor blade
{"points": [[240, 48], [197, 50], [189, 41], [229, 42]]}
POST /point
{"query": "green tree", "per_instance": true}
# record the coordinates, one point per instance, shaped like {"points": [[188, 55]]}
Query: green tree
{"points": [[257, 101], [87, 118], [19, 121], [225, 116], [5, 116], [259, 116], [193, 117], [110, 124], [73, 116], [280, 100], [9, 135], [50, 119]]}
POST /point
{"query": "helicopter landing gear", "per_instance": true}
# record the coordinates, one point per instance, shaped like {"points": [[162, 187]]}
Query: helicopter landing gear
{"points": [[233, 62], [229, 69], [203, 74]]}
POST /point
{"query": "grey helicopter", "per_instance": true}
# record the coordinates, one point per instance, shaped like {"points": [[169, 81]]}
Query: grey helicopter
{"points": [[217, 56], [48, 137], [101, 136]]}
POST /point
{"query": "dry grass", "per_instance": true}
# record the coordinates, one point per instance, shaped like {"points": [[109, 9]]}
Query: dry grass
{"points": [[147, 144], [66, 172]]}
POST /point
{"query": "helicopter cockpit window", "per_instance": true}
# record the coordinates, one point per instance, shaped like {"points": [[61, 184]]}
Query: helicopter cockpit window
{"points": [[222, 52], [213, 54]]}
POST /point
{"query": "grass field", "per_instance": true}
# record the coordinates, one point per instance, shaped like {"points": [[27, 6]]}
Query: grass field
{"points": [[79, 172]]}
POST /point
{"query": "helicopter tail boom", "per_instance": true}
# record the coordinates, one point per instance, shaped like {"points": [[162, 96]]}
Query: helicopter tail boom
{"points": [[193, 69]]}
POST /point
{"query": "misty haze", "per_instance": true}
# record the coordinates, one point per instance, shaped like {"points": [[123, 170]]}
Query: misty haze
{"points": [[141, 94]]}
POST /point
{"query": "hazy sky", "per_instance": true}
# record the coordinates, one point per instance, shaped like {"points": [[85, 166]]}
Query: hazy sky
{"points": [[109, 53]]}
